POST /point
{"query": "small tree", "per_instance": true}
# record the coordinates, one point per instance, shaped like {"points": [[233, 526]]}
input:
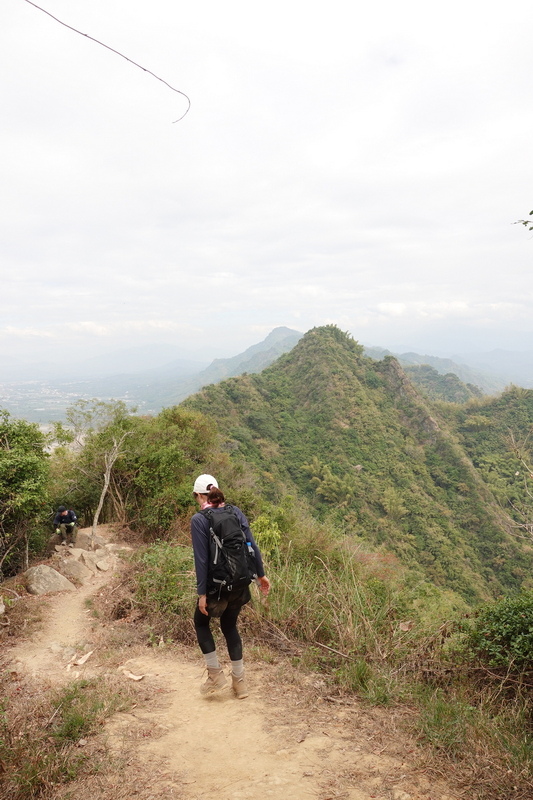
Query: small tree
{"points": [[99, 430], [23, 486], [136, 469], [110, 456]]}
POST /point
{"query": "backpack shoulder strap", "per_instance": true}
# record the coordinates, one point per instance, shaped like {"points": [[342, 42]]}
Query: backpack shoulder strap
{"points": [[208, 514]]}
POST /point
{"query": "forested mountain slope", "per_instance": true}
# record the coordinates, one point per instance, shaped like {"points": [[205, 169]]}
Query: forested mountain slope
{"points": [[439, 386], [496, 432], [356, 439]]}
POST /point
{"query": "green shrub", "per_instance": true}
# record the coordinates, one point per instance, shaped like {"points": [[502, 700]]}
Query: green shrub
{"points": [[166, 579], [502, 633], [268, 536]]}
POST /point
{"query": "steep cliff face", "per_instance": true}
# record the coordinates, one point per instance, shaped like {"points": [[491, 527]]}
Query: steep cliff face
{"points": [[357, 441]]}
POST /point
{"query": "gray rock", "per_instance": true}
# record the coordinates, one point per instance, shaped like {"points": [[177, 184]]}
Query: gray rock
{"points": [[75, 570], [89, 559], [85, 542], [43, 579], [2, 608], [75, 552], [118, 548], [62, 650], [103, 564], [54, 542]]}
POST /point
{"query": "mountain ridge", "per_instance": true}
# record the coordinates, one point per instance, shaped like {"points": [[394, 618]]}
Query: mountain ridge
{"points": [[355, 438]]}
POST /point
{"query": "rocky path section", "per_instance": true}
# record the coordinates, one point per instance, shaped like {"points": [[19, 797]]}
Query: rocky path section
{"points": [[286, 741], [68, 628]]}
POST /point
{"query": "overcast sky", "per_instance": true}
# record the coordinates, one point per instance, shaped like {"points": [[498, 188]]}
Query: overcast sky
{"points": [[345, 162]]}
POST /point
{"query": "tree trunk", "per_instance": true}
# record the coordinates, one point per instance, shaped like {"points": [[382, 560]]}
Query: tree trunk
{"points": [[109, 460]]}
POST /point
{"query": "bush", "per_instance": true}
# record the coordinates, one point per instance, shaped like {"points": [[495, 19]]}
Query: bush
{"points": [[23, 489], [166, 579], [502, 633], [268, 537]]}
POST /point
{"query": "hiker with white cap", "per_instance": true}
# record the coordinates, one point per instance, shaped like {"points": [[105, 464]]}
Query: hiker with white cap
{"points": [[216, 527]]}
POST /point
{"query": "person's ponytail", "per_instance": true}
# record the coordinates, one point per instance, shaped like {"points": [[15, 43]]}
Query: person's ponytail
{"points": [[215, 497]]}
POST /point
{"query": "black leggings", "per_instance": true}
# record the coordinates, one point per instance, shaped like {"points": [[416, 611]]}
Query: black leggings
{"points": [[228, 626]]}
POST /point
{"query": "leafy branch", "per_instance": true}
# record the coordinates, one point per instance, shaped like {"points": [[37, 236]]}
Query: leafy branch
{"points": [[528, 223]]}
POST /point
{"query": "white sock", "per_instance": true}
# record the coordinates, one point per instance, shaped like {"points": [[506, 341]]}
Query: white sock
{"points": [[211, 660], [237, 668]]}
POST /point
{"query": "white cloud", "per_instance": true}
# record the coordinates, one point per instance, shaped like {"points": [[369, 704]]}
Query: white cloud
{"points": [[356, 164], [10, 331]]}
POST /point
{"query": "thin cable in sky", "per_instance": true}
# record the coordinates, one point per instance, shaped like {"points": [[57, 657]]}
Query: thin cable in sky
{"points": [[118, 54]]}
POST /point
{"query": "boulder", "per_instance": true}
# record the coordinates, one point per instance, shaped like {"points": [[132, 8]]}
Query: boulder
{"points": [[89, 559], [85, 541], [43, 579], [75, 553], [54, 542], [75, 570]]}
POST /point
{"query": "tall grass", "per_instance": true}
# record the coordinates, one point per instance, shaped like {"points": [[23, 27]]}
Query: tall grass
{"points": [[165, 589]]}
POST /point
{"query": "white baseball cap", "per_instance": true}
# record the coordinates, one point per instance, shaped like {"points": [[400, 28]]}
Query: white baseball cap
{"points": [[204, 483]]}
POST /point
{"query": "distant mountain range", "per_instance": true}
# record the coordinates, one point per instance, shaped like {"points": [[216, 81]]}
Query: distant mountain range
{"points": [[164, 384], [130, 360], [491, 371], [490, 381], [41, 392]]}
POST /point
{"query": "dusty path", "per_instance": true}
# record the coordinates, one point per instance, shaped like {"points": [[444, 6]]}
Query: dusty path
{"points": [[283, 742], [67, 631]]}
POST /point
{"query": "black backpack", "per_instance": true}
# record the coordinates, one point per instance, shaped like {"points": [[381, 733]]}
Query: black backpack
{"points": [[231, 558]]}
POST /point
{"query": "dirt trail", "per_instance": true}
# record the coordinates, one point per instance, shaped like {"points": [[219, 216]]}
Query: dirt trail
{"points": [[283, 742], [66, 632]]}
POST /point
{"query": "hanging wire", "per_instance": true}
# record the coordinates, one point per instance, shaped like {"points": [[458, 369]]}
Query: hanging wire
{"points": [[178, 91]]}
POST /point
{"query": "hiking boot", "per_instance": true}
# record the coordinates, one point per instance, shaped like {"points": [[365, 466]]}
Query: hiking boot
{"points": [[216, 681], [239, 687]]}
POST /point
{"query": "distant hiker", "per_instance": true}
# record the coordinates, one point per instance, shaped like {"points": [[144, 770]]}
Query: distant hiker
{"points": [[220, 595], [65, 525]]}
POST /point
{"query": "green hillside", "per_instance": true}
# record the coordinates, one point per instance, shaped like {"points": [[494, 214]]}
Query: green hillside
{"points": [[497, 435], [354, 438]]}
